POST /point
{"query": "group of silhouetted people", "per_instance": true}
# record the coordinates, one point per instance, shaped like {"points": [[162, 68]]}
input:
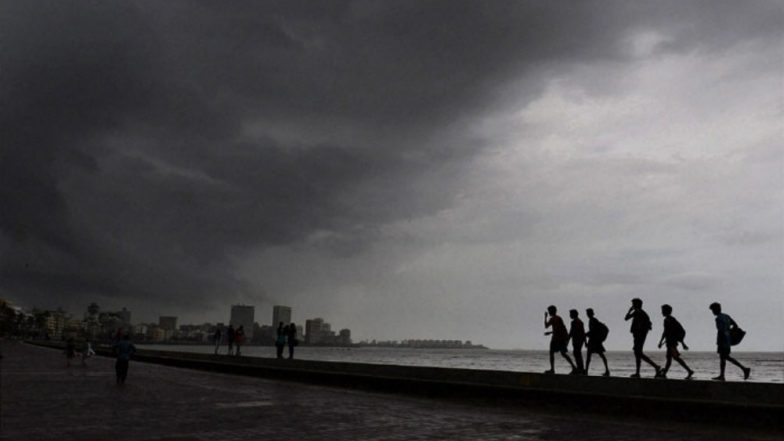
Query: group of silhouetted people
{"points": [[286, 335], [728, 334], [235, 338]]}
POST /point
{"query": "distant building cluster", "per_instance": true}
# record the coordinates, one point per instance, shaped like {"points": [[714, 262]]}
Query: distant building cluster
{"points": [[431, 344], [100, 325]]}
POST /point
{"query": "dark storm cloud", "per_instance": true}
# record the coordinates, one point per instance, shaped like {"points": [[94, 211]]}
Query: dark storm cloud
{"points": [[128, 169]]}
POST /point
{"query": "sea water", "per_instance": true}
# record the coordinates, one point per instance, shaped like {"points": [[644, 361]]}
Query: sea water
{"points": [[766, 367]]}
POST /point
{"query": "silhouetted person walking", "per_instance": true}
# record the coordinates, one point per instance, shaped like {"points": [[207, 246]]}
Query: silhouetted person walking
{"points": [[577, 336], [597, 334], [672, 335], [280, 339], [230, 339], [641, 324], [291, 339], [70, 351], [724, 324], [559, 339], [239, 339], [124, 350], [217, 337]]}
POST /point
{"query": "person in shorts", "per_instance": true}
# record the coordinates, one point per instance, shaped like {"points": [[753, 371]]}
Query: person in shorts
{"points": [[672, 335], [597, 333], [559, 339]]}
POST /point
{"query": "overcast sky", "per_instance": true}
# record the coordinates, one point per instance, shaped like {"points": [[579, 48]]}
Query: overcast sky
{"points": [[404, 169]]}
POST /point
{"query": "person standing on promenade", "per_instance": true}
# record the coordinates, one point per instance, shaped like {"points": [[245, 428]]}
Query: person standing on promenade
{"points": [[673, 334], [597, 334], [70, 351], [216, 338], [124, 350], [641, 324], [291, 338], [280, 340], [239, 339], [577, 336], [230, 338], [724, 324], [559, 339]]}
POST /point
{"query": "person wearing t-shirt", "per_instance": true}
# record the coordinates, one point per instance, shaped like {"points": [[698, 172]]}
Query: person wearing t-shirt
{"points": [[641, 324], [559, 339], [577, 336], [672, 335], [723, 342]]}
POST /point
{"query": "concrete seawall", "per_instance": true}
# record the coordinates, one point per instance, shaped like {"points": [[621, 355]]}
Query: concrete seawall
{"points": [[747, 403]]}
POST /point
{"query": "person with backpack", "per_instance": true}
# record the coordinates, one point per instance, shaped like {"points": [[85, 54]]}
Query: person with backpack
{"points": [[597, 334], [641, 325], [559, 339], [672, 335], [724, 327]]}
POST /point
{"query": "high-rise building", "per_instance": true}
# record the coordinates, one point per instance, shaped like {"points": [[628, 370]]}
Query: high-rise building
{"points": [[313, 330], [242, 315], [168, 323], [281, 314], [344, 337]]}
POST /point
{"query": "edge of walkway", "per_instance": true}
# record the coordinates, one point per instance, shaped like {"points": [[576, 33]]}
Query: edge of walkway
{"points": [[750, 404]]}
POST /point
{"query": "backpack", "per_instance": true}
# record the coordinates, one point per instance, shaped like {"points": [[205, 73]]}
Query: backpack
{"points": [[600, 332], [678, 333]]}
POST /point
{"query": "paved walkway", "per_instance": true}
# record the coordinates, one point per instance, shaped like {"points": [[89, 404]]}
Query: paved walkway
{"points": [[41, 399]]}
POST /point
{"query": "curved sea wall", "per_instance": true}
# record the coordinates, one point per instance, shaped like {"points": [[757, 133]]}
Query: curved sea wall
{"points": [[747, 403]]}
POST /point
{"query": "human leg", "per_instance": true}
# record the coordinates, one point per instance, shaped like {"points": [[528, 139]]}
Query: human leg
{"points": [[606, 368]]}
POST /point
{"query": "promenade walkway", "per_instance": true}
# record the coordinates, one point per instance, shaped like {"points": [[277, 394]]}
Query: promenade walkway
{"points": [[41, 399]]}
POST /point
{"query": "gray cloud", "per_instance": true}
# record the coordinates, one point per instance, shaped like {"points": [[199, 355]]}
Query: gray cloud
{"points": [[151, 149]]}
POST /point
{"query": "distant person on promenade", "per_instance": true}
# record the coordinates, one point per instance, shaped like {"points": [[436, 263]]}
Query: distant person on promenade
{"points": [[280, 339], [641, 325], [672, 335], [239, 339], [577, 336], [70, 351], [724, 326], [124, 350], [230, 339], [597, 334], [216, 338], [291, 339], [559, 339], [87, 353]]}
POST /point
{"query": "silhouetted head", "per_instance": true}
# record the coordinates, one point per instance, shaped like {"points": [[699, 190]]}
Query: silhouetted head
{"points": [[552, 310], [573, 313], [666, 310], [241, 328], [715, 307], [280, 325], [126, 337], [589, 312], [636, 303]]}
